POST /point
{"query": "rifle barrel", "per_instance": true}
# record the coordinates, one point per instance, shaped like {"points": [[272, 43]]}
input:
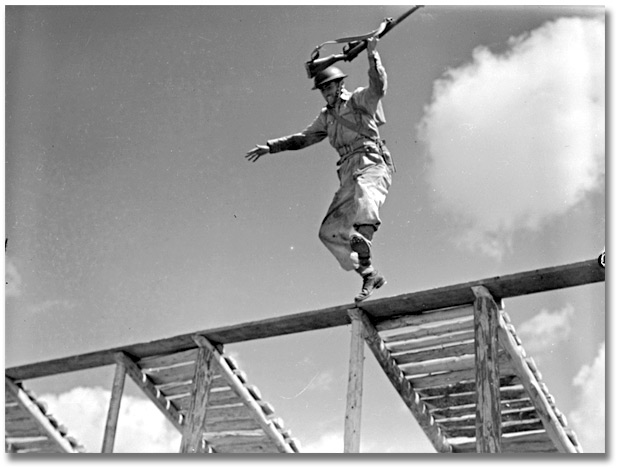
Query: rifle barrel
{"points": [[354, 52]]}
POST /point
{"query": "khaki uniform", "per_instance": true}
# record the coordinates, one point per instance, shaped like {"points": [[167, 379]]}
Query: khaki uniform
{"points": [[364, 167]]}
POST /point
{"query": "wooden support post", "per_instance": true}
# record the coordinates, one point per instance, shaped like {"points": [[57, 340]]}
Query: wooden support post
{"points": [[114, 408], [194, 425], [488, 413], [353, 415]]}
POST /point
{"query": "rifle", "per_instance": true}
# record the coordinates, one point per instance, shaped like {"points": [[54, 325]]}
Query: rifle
{"points": [[355, 45]]}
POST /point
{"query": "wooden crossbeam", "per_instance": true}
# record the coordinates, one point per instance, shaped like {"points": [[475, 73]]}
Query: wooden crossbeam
{"points": [[41, 420], [378, 310], [400, 383]]}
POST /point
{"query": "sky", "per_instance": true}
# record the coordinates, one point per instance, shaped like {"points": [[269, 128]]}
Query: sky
{"points": [[131, 214]]}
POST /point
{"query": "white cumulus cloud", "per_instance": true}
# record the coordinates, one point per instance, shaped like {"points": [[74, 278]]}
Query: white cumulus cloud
{"points": [[518, 138], [588, 419], [141, 427], [546, 329]]}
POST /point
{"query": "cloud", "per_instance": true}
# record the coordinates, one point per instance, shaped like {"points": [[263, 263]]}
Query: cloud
{"points": [[588, 419], [141, 428], [330, 442], [515, 139], [12, 280], [546, 329]]}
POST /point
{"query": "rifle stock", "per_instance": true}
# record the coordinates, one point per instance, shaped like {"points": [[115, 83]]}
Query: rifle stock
{"points": [[319, 64]]}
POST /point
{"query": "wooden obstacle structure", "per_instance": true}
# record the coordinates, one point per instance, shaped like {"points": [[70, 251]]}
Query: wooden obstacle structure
{"points": [[451, 354]]}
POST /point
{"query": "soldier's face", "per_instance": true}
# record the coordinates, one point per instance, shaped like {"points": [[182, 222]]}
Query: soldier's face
{"points": [[331, 92]]}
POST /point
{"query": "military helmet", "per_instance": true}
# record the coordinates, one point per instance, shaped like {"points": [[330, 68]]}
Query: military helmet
{"points": [[327, 75]]}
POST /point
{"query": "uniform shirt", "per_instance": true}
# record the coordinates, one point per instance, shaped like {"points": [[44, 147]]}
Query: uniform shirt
{"points": [[370, 113]]}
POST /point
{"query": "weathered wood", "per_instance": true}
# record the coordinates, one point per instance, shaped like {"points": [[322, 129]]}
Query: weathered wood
{"points": [[169, 375], [545, 411], [428, 330], [143, 382], [470, 409], [488, 417], [232, 425], [168, 360], [402, 386], [353, 413], [450, 364], [56, 440], [469, 398], [268, 447], [530, 442], [246, 397], [440, 352], [195, 422], [464, 430], [519, 284], [445, 339], [114, 408], [450, 378], [421, 318], [466, 387]]}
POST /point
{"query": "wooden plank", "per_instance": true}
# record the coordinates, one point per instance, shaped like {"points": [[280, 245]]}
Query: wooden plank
{"points": [[434, 341], [396, 377], [195, 422], [488, 427], [470, 398], [454, 431], [168, 360], [453, 377], [143, 382], [248, 448], [440, 352], [114, 408], [167, 375], [233, 425], [520, 443], [421, 318], [529, 282], [353, 413], [466, 387], [56, 439], [545, 411], [246, 396], [428, 330]]}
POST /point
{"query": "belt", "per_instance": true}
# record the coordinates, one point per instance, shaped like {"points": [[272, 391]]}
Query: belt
{"points": [[348, 149]]}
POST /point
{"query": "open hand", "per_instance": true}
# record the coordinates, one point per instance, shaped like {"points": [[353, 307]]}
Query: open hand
{"points": [[255, 153]]}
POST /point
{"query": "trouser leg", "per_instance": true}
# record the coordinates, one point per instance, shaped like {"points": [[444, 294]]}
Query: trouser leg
{"points": [[354, 212]]}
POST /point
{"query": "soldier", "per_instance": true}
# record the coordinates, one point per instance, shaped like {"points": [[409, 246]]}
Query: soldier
{"points": [[351, 122]]}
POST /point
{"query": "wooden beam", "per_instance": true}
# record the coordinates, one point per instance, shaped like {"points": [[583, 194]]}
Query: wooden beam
{"points": [[40, 418], [144, 383], [246, 397], [377, 310], [403, 387], [488, 414], [195, 422], [353, 414], [114, 408], [545, 411]]}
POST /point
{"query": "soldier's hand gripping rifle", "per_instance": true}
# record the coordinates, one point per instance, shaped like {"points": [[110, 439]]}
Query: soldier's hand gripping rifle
{"points": [[355, 45]]}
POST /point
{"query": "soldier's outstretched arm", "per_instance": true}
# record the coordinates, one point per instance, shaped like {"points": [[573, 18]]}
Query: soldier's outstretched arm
{"points": [[255, 153]]}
